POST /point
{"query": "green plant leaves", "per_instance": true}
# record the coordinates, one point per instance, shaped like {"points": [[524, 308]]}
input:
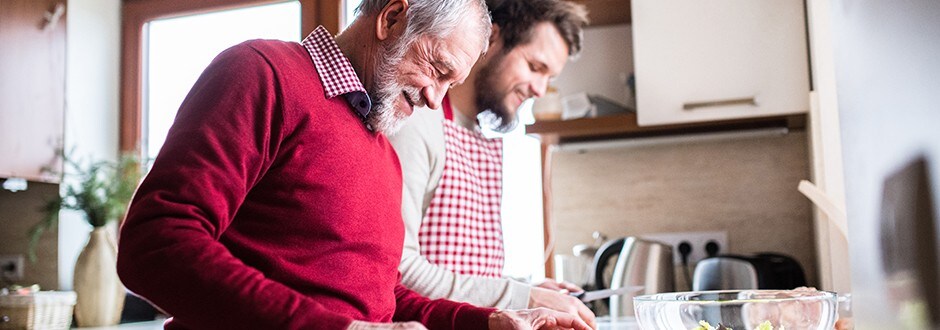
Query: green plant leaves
{"points": [[101, 190]]}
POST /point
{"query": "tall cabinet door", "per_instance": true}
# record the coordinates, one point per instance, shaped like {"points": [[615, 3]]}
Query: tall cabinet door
{"points": [[32, 86], [720, 59]]}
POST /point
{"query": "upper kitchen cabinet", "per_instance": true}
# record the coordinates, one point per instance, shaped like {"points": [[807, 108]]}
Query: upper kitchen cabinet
{"points": [[700, 61], [32, 86]]}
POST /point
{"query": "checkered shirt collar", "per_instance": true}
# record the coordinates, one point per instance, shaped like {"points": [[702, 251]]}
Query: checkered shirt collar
{"points": [[336, 73]]}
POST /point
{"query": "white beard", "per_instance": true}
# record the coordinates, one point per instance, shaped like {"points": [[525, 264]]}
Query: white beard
{"points": [[385, 117]]}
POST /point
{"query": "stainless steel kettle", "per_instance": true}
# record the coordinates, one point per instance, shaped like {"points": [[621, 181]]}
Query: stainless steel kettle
{"points": [[639, 263]]}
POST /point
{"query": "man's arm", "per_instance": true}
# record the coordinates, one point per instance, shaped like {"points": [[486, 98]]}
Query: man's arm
{"points": [[218, 148], [445, 314], [420, 148], [440, 313]]}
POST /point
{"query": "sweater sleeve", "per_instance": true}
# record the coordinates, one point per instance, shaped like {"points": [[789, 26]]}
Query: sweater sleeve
{"points": [[420, 148], [223, 139], [440, 313]]}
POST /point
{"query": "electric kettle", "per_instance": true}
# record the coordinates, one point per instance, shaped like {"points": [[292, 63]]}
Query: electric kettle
{"points": [[639, 262]]}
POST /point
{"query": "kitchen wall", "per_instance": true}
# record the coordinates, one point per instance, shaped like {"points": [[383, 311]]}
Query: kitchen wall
{"points": [[92, 76], [826, 151], [744, 184], [602, 67]]}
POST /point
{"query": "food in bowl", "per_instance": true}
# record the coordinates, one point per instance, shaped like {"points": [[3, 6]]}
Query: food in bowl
{"points": [[804, 309]]}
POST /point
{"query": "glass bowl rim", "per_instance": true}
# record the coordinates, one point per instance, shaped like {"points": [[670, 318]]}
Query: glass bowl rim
{"points": [[664, 297]]}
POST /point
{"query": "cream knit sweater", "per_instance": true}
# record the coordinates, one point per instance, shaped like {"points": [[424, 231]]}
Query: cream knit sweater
{"points": [[420, 147]]}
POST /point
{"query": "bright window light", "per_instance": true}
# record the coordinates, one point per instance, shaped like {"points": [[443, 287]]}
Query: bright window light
{"points": [[349, 11], [179, 49], [522, 200]]}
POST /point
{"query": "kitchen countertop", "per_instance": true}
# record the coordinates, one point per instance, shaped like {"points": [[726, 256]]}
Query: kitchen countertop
{"points": [[622, 323], [148, 325], [603, 322]]}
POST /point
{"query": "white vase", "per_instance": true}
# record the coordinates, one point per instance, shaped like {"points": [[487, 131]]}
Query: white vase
{"points": [[96, 283]]}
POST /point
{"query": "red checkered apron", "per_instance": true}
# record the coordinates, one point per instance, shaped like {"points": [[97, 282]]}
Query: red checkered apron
{"points": [[462, 229]]}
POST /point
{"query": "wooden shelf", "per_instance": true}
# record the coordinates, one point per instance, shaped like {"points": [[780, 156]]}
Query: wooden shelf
{"points": [[607, 12], [625, 125]]}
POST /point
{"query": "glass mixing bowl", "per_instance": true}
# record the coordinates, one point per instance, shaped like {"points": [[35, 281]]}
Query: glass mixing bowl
{"points": [[800, 309]]}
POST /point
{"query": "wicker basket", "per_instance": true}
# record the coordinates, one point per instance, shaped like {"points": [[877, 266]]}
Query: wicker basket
{"points": [[40, 310]]}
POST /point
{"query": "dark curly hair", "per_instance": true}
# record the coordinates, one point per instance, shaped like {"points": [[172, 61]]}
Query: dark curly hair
{"points": [[517, 18]]}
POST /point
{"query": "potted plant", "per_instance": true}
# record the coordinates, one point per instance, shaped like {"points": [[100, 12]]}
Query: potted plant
{"points": [[101, 191]]}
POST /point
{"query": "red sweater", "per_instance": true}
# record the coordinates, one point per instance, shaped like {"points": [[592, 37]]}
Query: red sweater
{"points": [[272, 207]]}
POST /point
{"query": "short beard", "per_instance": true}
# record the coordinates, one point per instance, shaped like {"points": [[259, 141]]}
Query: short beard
{"points": [[384, 117], [491, 100]]}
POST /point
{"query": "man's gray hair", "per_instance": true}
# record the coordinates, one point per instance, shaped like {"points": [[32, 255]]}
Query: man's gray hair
{"points": [[436, 18]]}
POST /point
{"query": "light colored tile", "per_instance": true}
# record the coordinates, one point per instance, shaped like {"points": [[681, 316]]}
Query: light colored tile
{"points": [[19, 211], [745, 186]]}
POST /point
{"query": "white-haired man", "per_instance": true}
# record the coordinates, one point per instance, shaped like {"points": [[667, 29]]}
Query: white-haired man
{"points": [[275, 202]]}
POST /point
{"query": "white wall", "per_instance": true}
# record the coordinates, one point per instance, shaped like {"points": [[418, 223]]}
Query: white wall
{"points": [[826, 150], [92, 98], [888, 76], [605, 61]]}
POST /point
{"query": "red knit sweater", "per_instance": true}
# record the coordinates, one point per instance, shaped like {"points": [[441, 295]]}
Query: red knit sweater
{"points": [[271, 207]]}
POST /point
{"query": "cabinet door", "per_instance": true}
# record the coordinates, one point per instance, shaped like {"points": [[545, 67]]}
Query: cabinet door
{"points": [[721, 59], [32, 86]]}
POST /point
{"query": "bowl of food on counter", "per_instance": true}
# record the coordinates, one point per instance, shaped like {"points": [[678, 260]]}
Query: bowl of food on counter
{"points": [[798, 309]]}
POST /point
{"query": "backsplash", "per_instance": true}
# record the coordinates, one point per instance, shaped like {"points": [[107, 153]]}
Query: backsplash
{"points": [[745, 185], [19, 211]]}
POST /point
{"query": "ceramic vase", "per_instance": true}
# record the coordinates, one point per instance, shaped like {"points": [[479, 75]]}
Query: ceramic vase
{"points": [[96, 283]]}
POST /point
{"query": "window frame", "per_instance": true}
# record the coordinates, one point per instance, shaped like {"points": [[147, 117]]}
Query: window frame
{"points": [[137, 13]]}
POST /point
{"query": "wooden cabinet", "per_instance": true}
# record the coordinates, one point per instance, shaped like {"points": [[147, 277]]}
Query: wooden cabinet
{"points": [[699, 66], [32, 86], [607, 12], [700, 61]]}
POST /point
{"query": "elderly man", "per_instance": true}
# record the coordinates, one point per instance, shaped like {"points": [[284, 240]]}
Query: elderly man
{"points": [[275, 202], [452, 173]]}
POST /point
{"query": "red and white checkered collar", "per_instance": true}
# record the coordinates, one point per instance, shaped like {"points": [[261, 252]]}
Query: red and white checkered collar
{"points": [[336, 73]]}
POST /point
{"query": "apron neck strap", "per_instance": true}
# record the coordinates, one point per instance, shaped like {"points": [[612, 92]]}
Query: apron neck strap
{"points": [[448, 110]]}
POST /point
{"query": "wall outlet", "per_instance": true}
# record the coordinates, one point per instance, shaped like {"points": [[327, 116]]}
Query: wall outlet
{"points": [[698, 240], [11, 267]]}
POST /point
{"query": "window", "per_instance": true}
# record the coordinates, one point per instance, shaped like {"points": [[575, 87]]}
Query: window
{"points": [[179, 49], [349, 12], [522, 200], [137, 17]]}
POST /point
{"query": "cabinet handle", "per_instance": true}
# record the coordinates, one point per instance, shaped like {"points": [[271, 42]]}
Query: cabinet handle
{"points": [[719, 103]]}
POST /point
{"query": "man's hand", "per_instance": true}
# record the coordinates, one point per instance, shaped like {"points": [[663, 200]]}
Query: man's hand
{"points": [[359, 325], [551, 284], [562, 302], [535, 319]]}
